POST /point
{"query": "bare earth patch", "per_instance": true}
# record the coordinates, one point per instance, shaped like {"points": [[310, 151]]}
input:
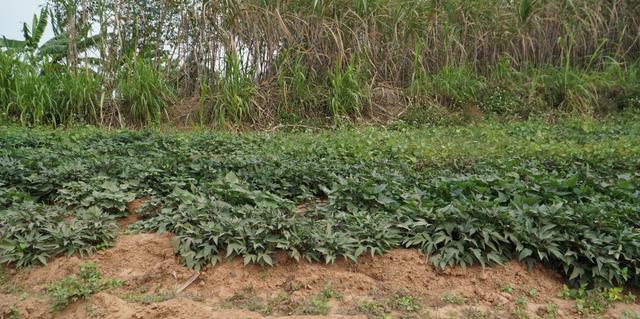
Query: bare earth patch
{"points": [[400, 284]]}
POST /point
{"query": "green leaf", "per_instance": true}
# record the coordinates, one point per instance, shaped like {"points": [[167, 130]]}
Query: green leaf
{"points": [[231, 178], [524, 253], [12, 44], [267, 259], [577, 272]]}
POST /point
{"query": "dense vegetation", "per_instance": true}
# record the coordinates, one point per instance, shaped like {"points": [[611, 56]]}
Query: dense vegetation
{"points": [[256, 62], [564, 195], [560, 188]]}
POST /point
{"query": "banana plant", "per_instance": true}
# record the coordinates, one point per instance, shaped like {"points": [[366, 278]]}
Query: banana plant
{"points": [[56, 48], [32, 35]]}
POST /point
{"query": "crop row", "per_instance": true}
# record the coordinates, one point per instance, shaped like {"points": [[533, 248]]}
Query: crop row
{"points": [[563, 195]]}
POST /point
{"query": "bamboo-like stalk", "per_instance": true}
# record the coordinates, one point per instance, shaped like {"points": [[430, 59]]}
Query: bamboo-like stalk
{"points": [[290, 48]]}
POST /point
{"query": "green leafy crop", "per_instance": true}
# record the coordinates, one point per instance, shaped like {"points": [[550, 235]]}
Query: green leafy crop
{"points": [[31, 233], [563, 195]]}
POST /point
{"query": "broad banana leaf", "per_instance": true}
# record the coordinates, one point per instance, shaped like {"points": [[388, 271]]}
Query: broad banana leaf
{"points": [[12, 44]]}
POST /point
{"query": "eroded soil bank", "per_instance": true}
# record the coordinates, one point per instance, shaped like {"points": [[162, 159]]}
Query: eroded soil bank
{"points": [[399, 284]]}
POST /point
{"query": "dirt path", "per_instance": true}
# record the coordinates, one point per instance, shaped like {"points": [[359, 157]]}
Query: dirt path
{"points": [[399, 284]]}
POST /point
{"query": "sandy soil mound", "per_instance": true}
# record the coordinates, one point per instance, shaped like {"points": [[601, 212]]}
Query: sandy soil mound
{"points": [[137, 259], [151, 274]]}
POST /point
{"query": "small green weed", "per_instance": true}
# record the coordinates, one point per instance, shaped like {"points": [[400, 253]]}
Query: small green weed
{"points": [[404, 303], [91, 311], [3, 277], [628, 314], [519, 310], [549, 311], [318, 304], [617, 294], [508, 288], [283, 303], [71, 288], [453, 299], [247, 299], [475, 313], [400, 301], [328, 293], [373, 310], [11, 313], [595, 301]]}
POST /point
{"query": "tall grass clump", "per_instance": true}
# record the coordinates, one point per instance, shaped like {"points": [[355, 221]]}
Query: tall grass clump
{"points": [[610, 87], [299, 92], [55, 98], [349, 94], [572, 89], [143, 93], [623, 89], [506, 90], [9, 66], [204, 96], [47, 94], [33, 98], [233, 99], [455, 87], [79, 97]]}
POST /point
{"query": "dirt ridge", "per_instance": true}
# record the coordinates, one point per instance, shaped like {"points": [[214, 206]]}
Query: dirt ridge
{"points": [[147, 266]]}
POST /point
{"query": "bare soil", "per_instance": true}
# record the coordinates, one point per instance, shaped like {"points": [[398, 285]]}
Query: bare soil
{"points": [[400, 283]]}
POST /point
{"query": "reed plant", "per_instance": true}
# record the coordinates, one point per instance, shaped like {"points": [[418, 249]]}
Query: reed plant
{"points": [[254, 61], [143, 93]]}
